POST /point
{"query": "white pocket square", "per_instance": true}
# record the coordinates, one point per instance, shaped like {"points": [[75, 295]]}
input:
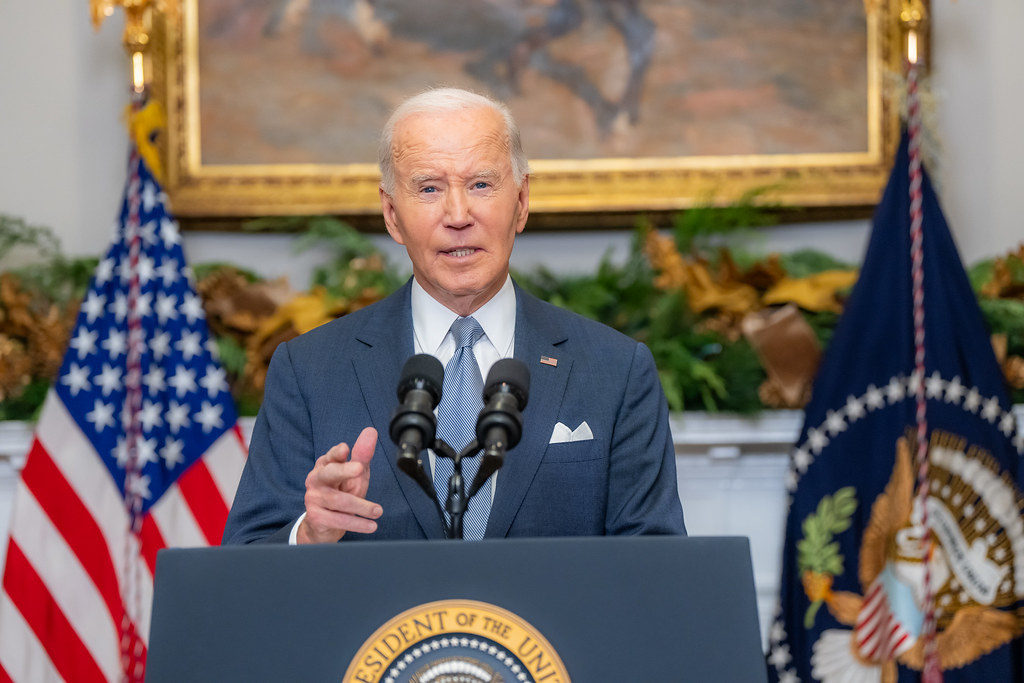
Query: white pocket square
{"points": [[562, 434]]}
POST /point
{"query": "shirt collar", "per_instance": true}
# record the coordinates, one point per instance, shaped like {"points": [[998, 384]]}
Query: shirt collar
{"points": [[431, 320]]}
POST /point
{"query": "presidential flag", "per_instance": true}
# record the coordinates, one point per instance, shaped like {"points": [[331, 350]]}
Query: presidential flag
{"points": [[136, 449], [870, 564]]}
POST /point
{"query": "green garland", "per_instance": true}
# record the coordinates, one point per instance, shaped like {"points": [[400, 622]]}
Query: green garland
{"points": [[700, 369]]}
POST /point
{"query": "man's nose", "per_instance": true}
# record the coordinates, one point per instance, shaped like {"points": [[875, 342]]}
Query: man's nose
{"points": [[457, 209]]}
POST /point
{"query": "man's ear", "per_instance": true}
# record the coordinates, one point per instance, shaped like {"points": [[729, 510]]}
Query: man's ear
{"points": [[523, 207], [390, 213]]}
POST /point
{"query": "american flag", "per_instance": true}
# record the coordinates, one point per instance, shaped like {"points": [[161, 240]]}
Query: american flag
{"points": [[137, 449]]}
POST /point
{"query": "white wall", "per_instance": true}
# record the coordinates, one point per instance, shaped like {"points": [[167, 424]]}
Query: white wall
{"points": [[63, 147]]}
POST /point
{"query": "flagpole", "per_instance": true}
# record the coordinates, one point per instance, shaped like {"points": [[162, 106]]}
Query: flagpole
{"points": [[912, 16], [131, 664], [136, 38]]}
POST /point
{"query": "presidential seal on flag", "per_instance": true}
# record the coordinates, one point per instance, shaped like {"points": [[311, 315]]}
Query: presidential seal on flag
{"points": [[976, 566]]}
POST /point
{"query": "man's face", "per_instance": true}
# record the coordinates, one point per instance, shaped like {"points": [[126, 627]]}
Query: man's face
{"points": [[456, 206]]}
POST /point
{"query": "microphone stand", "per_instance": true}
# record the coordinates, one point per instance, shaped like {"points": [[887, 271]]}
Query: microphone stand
{"points": [[457, 499]]}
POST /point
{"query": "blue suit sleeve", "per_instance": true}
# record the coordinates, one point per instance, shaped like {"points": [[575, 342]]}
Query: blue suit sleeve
{"points": [[643, 496], [270, 495]]}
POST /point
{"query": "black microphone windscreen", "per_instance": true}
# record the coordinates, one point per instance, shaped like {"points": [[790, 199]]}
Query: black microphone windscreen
{"points": [[422, 368], [512, 372]]}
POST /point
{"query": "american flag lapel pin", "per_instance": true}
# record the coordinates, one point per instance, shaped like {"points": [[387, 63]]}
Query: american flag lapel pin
{"points": [[548, 360]]}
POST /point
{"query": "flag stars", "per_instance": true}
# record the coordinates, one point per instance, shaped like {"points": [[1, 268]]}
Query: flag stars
{"points": [[145, 452], [150, 416], [148, 197], [124, 271], [160, 345], [873, 397], [144, 305], [155, 379], [101, 416], [817, 440], [780, 656], [854, 408], [177, 416], [835, 422], [115, 344], [215, 381], [84, 342], [895, 390], [121, 452], [172, 453], [190, 345], [184, 380], [802, 460], [119, 307], [168, 272], [973, 400], [991, 410], [109, 379], [954, 390], [192, 308], [138, 485], [166, 307], [148, 233], [1007, 424], [93, 306], [105, 271], [169, 232], [209, 416], [76, 379], [935, 386], [145, 269]]}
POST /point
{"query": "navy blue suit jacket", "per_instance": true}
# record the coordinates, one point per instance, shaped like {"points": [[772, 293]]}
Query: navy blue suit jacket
{"points": [[325, 386]]}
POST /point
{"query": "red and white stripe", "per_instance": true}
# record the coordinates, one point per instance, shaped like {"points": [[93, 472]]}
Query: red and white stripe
{"points": [[878, 634], [65, 595]]}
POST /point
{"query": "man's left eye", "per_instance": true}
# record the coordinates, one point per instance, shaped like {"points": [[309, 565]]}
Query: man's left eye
{"points": [[481, 185]]}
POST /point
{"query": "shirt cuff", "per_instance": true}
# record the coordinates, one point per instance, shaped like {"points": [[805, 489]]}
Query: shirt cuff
{"points": [[293, 537]]}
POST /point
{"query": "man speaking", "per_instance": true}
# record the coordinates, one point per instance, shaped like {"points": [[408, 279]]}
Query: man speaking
{"points": [[595, 455]]}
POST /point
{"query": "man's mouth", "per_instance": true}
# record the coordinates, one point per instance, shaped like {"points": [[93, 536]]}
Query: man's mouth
{"points": [[461, 251]]}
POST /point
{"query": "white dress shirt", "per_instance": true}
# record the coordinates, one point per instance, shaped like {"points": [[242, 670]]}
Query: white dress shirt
{"points": [[431, 331]]}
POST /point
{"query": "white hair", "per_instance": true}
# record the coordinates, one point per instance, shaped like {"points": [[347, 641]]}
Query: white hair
{"points": [[439, 100]]}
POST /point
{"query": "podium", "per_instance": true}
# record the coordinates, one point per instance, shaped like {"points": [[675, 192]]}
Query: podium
{"points": [[589, 610]]}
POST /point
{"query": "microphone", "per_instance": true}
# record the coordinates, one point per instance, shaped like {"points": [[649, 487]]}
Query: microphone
{"points": [[500, 424], [413, 425]]}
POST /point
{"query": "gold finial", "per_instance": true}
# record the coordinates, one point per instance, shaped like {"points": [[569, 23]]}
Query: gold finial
{"points": [[138, 23], [913, 16]]}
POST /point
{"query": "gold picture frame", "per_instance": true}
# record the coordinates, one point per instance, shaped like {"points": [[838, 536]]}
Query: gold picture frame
{"points": [[224, 117]]}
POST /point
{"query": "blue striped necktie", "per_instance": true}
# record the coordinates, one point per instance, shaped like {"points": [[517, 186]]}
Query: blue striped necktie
{"points": [[461, 401]]}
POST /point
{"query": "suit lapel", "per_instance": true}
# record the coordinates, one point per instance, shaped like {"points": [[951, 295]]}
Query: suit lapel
{"points": [[382, 347], [537, 335]]}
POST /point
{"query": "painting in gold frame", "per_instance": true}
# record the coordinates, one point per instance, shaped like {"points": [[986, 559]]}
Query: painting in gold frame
{"points": [[625, 105]]}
